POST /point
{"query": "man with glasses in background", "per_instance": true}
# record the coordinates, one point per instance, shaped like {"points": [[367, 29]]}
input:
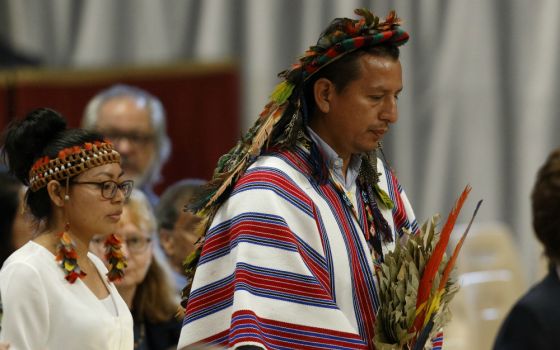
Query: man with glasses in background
{"points": [[134, 120]]}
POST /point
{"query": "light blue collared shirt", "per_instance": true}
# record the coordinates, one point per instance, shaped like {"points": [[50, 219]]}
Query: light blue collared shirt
{"points": [[334, 162]]}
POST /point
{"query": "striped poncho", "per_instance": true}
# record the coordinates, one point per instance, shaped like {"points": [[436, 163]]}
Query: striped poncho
{"points": [[285, 264]]}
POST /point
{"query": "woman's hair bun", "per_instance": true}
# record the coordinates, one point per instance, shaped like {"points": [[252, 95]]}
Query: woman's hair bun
{"points": [[26, 140]]}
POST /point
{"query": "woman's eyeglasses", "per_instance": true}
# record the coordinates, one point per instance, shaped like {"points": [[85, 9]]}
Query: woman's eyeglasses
{"points": [[134, 244], [109, 188]]}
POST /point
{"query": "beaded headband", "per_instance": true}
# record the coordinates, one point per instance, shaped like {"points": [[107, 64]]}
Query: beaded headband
{"points": [[70, 162]]}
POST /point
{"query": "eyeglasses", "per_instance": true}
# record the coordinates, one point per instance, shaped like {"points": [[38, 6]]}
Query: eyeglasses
{"points": [[136, 138], [134, 244], [109, 187]]}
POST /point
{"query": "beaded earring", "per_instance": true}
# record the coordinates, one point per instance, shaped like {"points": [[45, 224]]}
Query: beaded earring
{"points": [[115, 257], [66, 254], [66, 250]]}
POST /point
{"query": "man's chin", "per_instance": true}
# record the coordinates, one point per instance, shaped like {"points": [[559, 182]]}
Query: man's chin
{"points": [[141, 179], [369, 147]]}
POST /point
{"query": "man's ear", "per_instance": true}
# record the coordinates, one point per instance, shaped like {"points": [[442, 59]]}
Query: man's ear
{"points": [[323, 90], [166, 241], [56, 193]]}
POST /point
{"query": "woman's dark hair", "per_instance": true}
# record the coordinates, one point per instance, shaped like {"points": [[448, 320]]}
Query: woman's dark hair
{"points": [[41, 133], [345, 70], [546, 206], [9, 204]]}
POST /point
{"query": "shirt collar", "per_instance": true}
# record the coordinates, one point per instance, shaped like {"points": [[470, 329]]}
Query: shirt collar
{"points": [[334, 162]]}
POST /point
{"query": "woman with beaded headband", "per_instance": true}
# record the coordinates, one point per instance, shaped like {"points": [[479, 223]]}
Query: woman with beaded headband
{"points": [[56, 295], [301, 211]]}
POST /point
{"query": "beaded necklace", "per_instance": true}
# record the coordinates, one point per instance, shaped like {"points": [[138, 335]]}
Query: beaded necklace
{"points": [[372, 235]]}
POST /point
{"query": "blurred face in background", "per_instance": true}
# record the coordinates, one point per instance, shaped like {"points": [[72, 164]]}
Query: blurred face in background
{"points": [[127, 123], [179, 242], [136, 245]]}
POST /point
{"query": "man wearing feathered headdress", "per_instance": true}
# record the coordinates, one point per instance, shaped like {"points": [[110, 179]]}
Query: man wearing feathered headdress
{"points": [[301, 211]]}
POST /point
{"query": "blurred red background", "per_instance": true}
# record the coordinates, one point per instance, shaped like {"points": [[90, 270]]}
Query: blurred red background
{"points": [[202, 102]]}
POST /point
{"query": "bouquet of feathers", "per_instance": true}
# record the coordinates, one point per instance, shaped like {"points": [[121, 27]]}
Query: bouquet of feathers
{"points": [[415, 287]]}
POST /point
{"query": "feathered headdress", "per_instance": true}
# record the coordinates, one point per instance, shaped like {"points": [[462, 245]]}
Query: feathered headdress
{"points": [[282, 119]]}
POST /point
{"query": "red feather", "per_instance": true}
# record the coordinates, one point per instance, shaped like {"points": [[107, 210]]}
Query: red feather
{"points": [[433, 263]]}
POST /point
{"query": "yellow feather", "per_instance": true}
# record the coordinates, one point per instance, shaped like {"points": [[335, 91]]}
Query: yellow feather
{"points": [[68, 266], [434, 306]]}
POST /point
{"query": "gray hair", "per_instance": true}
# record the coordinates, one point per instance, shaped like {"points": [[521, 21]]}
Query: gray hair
{"points": [[157, 115]]}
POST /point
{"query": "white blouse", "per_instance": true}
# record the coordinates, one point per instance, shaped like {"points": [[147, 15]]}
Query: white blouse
{"points": [[44, 311]]}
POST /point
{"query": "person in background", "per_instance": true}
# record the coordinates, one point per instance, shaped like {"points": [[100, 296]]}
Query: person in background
{"points": [[56, 295], [134, 120], [176, 226], [145, 287], [16, 227], [533, 322]]}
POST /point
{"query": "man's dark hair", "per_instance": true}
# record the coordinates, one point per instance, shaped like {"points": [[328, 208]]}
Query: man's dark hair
{"points": [[546, 206], [345, 70], [176, 197]]}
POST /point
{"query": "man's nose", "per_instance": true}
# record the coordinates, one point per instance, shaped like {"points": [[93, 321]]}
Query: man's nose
{"points": [[389, 113], [123, 145]]}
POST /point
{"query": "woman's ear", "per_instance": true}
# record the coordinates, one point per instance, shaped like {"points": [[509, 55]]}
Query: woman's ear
{"points": [[322, 91], [56, 193]]}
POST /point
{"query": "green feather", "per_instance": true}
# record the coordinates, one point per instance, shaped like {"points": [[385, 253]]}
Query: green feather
{"points": [[282, 92], [189, 264], [383, 197]]}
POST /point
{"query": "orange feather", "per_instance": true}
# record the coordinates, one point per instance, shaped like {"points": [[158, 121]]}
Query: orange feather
{"points": [[451, 262]]}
